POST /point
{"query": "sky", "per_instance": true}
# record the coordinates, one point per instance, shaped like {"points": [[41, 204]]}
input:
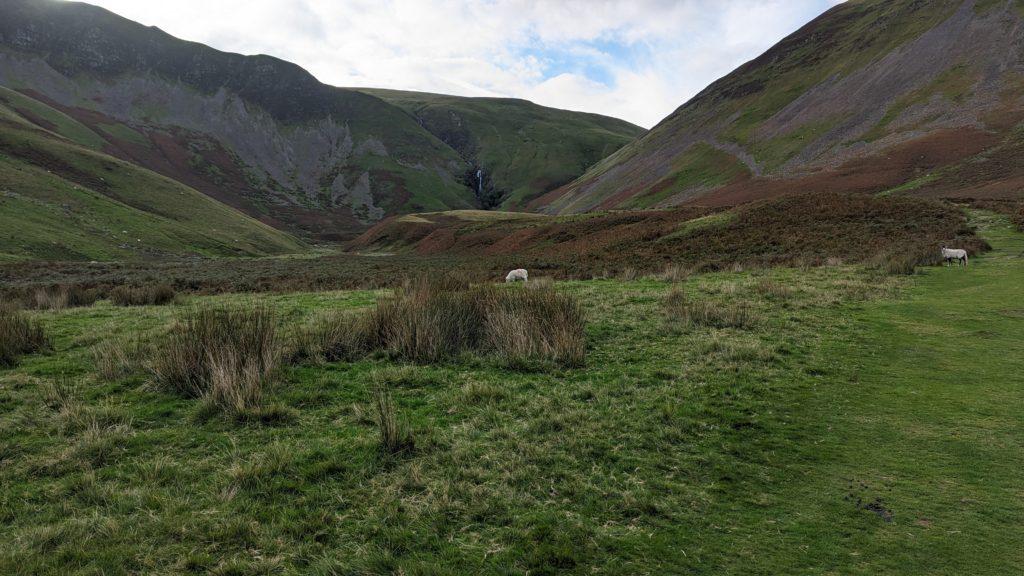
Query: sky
{"points": [[632, 59]]}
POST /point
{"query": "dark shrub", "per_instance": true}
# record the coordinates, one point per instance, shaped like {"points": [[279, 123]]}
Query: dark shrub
{"points": [[62, 296], [151, 295]]}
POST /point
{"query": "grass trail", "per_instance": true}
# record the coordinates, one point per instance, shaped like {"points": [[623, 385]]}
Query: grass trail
{"points": [[928, 433]]}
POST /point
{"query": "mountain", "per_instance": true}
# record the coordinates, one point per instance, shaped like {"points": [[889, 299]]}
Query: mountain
{"points": [[263, 135], [883, 96], [63, 199], [523, 149]]}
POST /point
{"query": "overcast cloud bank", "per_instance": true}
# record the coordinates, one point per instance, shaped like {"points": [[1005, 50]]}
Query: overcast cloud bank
{"points": [[633, 59]]}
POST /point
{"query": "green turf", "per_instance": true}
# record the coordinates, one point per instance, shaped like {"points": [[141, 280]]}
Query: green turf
{"points": [[861, 424], [55, 120]]}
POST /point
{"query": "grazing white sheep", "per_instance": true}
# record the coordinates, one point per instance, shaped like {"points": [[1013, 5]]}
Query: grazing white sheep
{"points": [[517, 274], [957, 254]]}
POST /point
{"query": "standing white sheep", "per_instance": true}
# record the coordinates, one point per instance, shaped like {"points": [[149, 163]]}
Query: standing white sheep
{"points": [[517, 274], [950, 254]]}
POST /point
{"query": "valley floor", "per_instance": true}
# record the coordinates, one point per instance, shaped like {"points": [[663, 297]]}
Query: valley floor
{"points": [[856, 424]]}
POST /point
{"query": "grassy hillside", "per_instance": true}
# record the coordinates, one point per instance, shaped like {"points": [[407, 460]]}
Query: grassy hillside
{"points": [[525, 149], [871, 96], [62, 200], [852, 423]]}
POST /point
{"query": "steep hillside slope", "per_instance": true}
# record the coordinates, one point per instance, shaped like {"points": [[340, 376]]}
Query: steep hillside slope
{"points": [[266, 137], [62, 199], [874, 95], [256, 132], [523, 149]]}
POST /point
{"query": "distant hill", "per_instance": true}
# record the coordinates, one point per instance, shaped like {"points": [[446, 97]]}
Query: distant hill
{"points": [[796, 230], [523, 149], [265, 136], [61, 198], [882, 96]]}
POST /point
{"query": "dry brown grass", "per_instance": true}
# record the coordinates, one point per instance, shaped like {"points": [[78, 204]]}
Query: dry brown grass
{"points": [[238, 383], [428, 322], [214, 350], [19, 334], [771, 289], [330, 337], [674, 273], [61, 296], [525, 326], [150, 295], [682, 314], [120, 357], [395, 434]]}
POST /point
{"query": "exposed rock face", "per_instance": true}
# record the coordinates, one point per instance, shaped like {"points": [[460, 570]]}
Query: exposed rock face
{"points": [[264, 135], [868, 87], [334, 158]]}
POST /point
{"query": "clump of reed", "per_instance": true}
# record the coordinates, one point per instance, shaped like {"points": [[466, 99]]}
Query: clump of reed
{"points": [[225, 355], [682, 314], [149, 295], [20, 334]]}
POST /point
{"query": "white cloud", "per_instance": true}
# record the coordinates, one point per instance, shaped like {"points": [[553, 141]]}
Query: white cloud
{"points": [[633, 59]]}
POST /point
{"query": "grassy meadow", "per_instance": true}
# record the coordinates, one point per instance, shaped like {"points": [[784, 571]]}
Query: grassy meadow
{"points": [[822, 420]]}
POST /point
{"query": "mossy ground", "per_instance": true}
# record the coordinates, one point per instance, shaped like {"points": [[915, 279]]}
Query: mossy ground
{"points": [[861, 424]]}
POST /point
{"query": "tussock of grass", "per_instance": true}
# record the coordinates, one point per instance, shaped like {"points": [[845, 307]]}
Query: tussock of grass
{"points": [[395, 435], [675, 273], [120, 357], [59, 297], [19, 334], [330, 337], [540, 282], [224, 355], [152, 295], [428, 322], [237, 383], [57, 394], [905, 263], [771, 289], [530, 325], [255, 472], [682, 314], [732, 352]]}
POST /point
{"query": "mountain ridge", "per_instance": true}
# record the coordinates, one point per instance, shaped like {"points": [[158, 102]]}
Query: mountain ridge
{"points": [[256, 132]]}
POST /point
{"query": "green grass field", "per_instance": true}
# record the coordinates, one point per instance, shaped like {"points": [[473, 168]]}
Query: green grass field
{"points": [[853, 424]]}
